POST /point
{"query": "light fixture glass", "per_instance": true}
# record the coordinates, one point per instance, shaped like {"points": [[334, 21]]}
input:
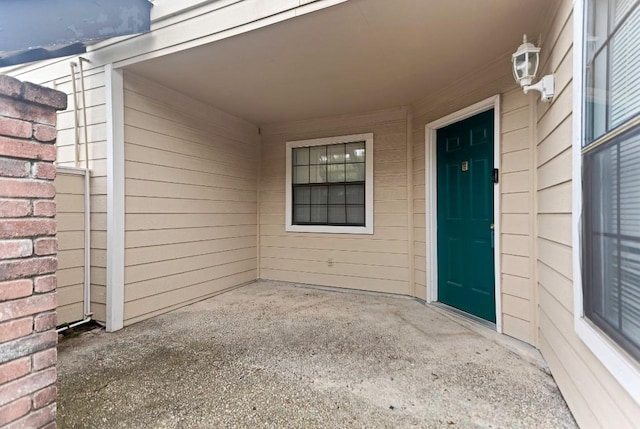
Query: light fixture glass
{"points": [[525, 62]]}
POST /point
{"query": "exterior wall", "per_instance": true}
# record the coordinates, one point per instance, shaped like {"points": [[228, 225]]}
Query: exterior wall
{"points": [[59, 77], [190, 200], [377, 262], [518, 301], [516, 199], [70, 219], [594, 396], [176, 26], [28, 249]]}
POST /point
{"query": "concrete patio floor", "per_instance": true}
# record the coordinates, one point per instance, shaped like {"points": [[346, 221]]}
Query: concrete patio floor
{"points": [[278, 355]]}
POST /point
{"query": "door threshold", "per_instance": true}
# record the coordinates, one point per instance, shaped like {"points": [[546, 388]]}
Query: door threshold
{"points": [[465, 315]]}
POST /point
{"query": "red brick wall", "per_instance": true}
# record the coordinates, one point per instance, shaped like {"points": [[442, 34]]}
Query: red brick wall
{"points": [[28, 250]]}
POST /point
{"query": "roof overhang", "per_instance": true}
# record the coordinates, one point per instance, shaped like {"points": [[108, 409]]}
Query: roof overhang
{"points": [[41, 29], [357, 56]]}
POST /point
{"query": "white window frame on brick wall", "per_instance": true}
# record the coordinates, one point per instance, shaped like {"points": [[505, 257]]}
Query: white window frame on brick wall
{"points": [[330, 229], [620, 365]]}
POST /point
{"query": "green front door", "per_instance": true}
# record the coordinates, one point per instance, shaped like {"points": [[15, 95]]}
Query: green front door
{"points": [[466, 277]]}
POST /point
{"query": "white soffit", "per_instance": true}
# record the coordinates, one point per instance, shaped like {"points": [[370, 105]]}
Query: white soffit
{"points": [[358, 56]]}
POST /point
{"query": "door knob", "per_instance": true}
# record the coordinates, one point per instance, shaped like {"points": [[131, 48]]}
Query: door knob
{"points": [[491, 227]]}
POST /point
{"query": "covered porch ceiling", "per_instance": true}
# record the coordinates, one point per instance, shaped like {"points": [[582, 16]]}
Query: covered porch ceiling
{"points": [[358, 56]]}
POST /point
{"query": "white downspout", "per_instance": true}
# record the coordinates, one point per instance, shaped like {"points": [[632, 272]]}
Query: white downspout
{"points": [[87, 202], [87, 189]]}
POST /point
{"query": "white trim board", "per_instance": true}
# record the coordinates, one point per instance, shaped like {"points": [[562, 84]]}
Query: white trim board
{"points": [[621, 366], [114, 89], [431, 201]]}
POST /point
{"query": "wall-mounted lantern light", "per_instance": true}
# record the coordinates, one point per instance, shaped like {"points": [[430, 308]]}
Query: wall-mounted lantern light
{"points": [[525, 66]]}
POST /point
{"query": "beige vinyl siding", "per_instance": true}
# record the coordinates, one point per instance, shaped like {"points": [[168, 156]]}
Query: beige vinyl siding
{"points": [[58, 76], [594, 396], [518, 301], [70, 217], [190, 200], [377, 262]]}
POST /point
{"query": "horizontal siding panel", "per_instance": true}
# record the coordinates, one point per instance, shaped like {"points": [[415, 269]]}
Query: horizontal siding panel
{"points": [[515, 223], [327, 243], [179, 191], [150, 221], [516, 328], [138, 205], [556, 256], [556, 199], [517, 307], [516, 161], [555, 227], [227, 255], [159, 173], [516, 265], [516, 286], [338, 269], [518, 202], [363, 258], [69, 313], [514, 182], [515, 140], [176, 282], [163, 252], [518, 245], [341, 281], [556, 171], [191, 200], [140, 309]]}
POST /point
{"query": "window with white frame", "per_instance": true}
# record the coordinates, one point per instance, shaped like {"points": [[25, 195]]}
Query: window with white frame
{"points": [[329, 186], [611, 171]]}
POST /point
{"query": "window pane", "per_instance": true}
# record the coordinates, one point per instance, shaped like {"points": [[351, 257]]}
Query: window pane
{"points": [[355, 194], [625, 73], [597, 96], [355, 214], [336, 173], [605, 272], [301, 195], [598, 25], [301, 156], [355, 152], [630, 187], [319, 214], [318, 154], [337, 215], [301, 175], [336, 153], [336, 195], [603, 197], [620, 9], [318, 174], [301, 214], [319, 195], [630, 289], [612, 238], [355, 172]]}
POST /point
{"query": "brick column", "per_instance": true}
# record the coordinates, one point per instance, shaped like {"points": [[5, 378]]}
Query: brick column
{"points": [[28, 249]]}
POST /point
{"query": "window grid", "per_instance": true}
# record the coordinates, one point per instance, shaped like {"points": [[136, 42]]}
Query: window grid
{"points": [[302, 158]]}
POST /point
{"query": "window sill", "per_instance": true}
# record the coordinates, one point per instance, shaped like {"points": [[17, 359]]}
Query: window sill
{"points": [[330, 229], [623, 368]]}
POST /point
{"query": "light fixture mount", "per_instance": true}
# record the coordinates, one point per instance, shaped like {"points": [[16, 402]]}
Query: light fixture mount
{"points": [[525, 61]]}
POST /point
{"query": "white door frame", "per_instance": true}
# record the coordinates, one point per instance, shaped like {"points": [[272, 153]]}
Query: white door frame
{"points": [[431, 197]]}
